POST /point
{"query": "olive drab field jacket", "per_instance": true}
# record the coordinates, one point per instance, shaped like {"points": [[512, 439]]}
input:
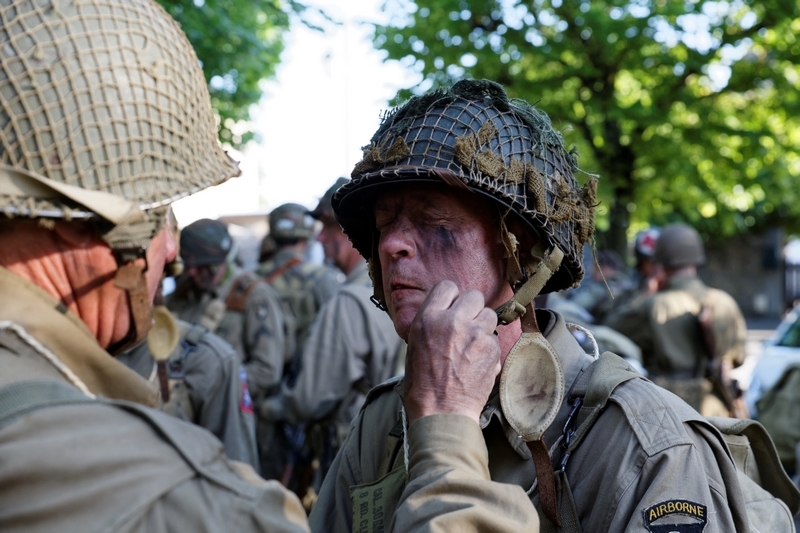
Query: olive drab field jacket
{"points": [[648, 460], [351, 347], [249, 315], [106, 464], [303, 286]]}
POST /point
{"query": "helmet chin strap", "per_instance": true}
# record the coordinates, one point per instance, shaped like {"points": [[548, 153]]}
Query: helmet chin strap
{"points": [[131, 278], [532, 380], [515, 307]]}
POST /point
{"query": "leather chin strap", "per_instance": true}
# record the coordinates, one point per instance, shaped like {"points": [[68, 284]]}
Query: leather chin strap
{"points": [[130, 278], [515, 307]]}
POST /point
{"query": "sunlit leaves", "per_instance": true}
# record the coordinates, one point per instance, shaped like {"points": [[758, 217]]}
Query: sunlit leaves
{"points": [[239, 43], [688, 110]]}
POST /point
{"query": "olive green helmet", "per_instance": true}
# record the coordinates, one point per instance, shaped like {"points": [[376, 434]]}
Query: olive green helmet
{"points": [[678, 246], [474, 136], [291, 221], [104, 114]]}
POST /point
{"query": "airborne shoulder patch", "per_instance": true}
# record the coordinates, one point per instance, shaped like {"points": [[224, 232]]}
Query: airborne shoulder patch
{"points": [[676, 516]]}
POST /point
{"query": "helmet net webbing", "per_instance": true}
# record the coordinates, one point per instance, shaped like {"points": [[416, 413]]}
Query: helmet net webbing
{"points": [[107, 96]]}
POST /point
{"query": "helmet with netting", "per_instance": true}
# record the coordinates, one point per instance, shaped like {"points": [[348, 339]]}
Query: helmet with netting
{"points": [[474, 136], [291, 221], [104, 115], [679, 245]]}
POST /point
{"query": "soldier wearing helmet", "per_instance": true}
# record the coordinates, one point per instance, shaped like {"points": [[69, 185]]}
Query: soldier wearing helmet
{"points": [[648, 274], [301, 284], [350, 348], [105, 120], [685, 328], [466, 206], [303, 287], [238, 306]]}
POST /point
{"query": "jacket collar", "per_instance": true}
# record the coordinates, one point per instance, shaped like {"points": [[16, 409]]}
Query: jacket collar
{"points": [[64, 334]]}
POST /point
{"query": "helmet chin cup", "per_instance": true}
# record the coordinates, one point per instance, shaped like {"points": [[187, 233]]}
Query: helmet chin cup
{"points": [[164, 336], [531, 386]]}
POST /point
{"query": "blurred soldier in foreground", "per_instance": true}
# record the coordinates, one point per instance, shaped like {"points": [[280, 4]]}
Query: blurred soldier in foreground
{"points": [[105, 120], [466, 207], [350, 348], [691, 335], [88, 166]]}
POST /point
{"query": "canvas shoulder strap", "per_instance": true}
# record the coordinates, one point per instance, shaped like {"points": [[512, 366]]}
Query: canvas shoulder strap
{"points": [[588, 397], [281, 270]]}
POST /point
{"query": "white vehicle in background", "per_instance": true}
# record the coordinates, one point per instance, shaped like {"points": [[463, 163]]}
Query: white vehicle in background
{"points": [[780, 351]]}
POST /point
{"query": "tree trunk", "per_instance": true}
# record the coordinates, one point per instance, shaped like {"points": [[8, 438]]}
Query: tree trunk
{"points": [[616, 237]]}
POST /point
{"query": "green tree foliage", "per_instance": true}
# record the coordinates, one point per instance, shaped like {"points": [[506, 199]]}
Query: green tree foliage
{"points": [[239, 43], [687, 110]]}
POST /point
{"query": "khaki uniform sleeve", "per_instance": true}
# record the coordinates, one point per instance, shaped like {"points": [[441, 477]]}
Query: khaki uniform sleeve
{"points": [[223, 404], [729, 328], [265, 341], [449, 488]]}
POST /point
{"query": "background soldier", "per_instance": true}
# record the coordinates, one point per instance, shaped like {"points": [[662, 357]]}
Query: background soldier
{"points": [[609, 280], [207, 386], [105, 121], [238, 306], [301, 284], [351, 347], [304, 287], [464, 202], [690, 334]]}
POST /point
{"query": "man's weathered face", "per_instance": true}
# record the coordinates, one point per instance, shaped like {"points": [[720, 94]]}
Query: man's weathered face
{"points": [[432, 233]]}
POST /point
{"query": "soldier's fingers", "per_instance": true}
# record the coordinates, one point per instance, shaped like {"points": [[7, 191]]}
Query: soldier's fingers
{"points": [[487, 320], [468, 304], [441, 296]]}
